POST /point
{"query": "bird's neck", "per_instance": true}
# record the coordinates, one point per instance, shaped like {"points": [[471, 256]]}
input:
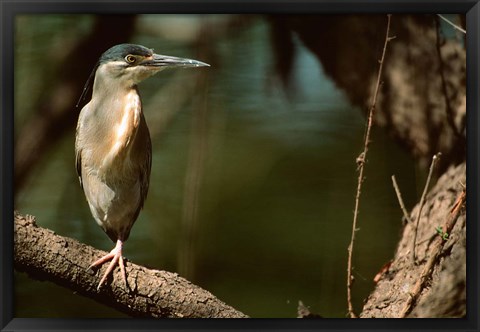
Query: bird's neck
{"points": [[121, 111], [108, 84]]}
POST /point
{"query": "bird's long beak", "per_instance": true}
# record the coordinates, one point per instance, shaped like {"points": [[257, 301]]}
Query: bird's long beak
{"points": [[158, 60]]}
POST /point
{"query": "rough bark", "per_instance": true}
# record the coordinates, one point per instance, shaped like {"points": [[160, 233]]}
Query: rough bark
{"points": [[443, 290], [152, 293]]}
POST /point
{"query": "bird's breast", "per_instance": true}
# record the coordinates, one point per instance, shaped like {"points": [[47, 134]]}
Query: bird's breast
{"points": [[122, 134], [126, 128]]}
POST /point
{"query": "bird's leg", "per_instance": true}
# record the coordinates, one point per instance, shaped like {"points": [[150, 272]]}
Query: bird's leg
{"points": [[116, 258]]}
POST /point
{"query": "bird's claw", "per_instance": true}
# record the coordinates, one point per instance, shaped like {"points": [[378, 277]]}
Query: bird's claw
{"points": [[116, 259]]}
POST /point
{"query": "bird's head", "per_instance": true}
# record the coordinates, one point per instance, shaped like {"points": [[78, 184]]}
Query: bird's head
{"points": [[129, 64], [134, 63]]}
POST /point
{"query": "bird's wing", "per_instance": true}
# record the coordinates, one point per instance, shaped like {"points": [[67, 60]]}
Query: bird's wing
{"points": [[78, 154], [78, 164], [145, 170], [143, 150]]}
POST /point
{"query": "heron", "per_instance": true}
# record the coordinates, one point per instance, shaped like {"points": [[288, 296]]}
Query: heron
{"points": [[113, 149]]}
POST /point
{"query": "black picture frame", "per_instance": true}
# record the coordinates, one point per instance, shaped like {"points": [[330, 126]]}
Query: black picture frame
{"points": [[10, 8]]}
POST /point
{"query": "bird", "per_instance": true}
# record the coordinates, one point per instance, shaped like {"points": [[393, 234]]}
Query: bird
{"points": [[113, 150]]}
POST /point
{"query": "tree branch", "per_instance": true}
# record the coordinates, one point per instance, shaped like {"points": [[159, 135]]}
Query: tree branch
{"points": [[435, 286], [152, 293], [361, 163], [427, 271]]}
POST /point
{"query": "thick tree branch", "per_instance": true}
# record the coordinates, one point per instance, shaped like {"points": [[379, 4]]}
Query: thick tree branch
{"points": [[152, 293], [427, 271], [436, 285]]}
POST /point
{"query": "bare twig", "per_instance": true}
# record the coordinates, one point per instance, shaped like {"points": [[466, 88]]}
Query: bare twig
{"points": [[422, 202], [436, 250], [400, 200], [452, 24], [361, 163]]}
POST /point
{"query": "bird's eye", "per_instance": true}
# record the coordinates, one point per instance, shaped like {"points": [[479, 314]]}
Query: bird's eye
{"points": [[130, 58]]}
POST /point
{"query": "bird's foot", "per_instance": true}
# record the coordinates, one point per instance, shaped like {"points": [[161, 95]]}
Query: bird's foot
{"points": [[116, 258]]}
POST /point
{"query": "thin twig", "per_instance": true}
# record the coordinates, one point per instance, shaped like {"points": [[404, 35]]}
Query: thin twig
{"points": [[452, 24], [435, 252], [422, 202], [361, 163], [400, 200]]}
